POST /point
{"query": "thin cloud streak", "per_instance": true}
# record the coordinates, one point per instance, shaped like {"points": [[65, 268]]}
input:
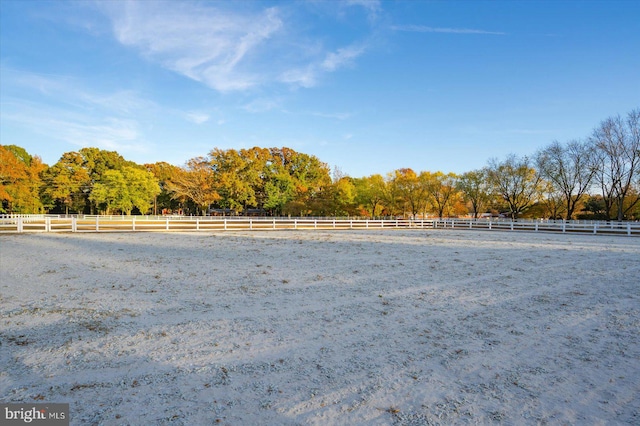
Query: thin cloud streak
{"points": [[228, 51], [197, 117], [426, 29], [205, 44], [110, 133], [309, 75], [59, 107], [341, 57]]}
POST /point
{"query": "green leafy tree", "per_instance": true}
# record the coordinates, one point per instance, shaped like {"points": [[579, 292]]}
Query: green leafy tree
{"points": [[164, 172], [67, 183], [235, 183], [370, 192], [309, 176], [338, 199], [125, 189], [96, 162], [279, 191], [110, 192], [143, 187]]}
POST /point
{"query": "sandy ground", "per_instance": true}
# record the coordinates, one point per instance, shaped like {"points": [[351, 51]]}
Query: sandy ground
{"points": [[303, 327]]}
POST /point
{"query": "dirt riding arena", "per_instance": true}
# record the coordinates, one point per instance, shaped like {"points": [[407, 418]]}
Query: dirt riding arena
{"points": [[407, 327]]}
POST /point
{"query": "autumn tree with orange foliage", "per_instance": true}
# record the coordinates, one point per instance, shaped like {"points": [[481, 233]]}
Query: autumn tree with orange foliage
{"points": [[20, 181]]}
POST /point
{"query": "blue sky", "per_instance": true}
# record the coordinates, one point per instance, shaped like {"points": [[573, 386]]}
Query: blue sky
{"points": [[366, 86]]}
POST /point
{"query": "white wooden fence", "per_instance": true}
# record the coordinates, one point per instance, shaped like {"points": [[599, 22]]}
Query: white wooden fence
{"points": [[51, 223], [194, 223], [559, 226]]}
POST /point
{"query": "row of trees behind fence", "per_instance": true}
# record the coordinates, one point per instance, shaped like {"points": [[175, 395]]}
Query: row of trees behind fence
{"points": [[596, 178]]}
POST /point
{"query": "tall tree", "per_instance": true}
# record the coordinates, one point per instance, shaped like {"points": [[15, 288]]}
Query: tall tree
{"points": [[552, 200], [440, 190], [370, 193], [411, 190], [309, 175], [196, 183], [20, 180], [617, 145], [279, 190], [475, 190], [96, 162], [164, 172], [516, 182], [569, 169], [341, 197], [234, 178], [67, 183], [111, 193], [125, 189]]}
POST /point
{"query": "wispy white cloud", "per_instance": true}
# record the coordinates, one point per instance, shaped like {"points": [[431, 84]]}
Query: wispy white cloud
{"points": [[341, 57], [335, 116], [302, 77], [229, 48], [197, 117], [373, 7], [61, 108], [206, 44], [426, 29], [309, 75], [111, 133], [262, 105]]}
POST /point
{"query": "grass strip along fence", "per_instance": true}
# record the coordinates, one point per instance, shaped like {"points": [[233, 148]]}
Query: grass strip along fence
{"points": [[52, 223]]}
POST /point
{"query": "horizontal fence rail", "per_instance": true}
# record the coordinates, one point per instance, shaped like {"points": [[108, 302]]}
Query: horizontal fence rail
{"points": [[559, 226], [86, 223]]}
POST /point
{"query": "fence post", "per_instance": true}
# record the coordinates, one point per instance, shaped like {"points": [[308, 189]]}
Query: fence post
{"points": [[489, 224], [536, 226], [628, 228], [133, 223], [20, 225], [97, 223], [225, 223], [250, 224], [74, 224], [197, 223], [595, 227], [295, 223], [564, 226], [274, 223]]}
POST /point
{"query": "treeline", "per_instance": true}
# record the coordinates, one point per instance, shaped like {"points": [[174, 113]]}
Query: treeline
{"points": [[594, 178]]}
